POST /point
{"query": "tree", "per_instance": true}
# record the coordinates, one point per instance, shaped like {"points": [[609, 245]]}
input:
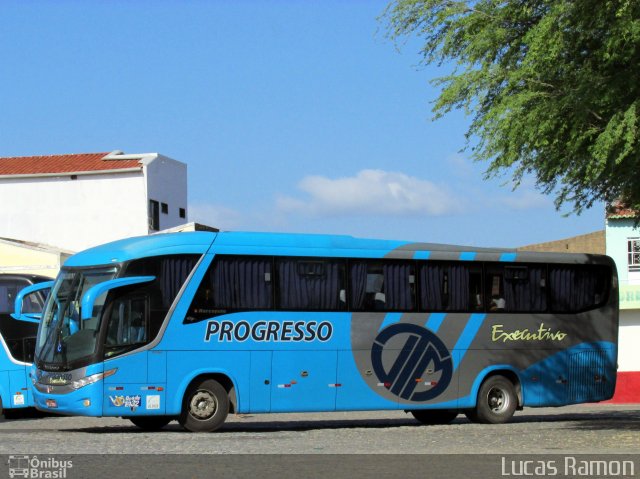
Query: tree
{"points": [[552, 86]]}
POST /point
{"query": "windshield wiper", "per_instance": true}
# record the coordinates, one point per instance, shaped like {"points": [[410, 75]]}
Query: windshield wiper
{"points": [[61, 348]]}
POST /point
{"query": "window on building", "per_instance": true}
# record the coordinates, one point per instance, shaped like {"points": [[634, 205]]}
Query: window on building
{"points": [[633, 253], [165, 208], [154, 215], [183, 213]]}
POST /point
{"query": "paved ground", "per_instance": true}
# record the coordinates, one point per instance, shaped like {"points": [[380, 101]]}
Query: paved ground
{"points": [[583, 429], [330, 445]]}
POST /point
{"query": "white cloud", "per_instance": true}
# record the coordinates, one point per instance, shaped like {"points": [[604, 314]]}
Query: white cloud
{"points": [[215, 215], [371, 192]]}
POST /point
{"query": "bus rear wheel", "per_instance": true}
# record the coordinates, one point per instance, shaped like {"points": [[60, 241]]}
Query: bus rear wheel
{"points": [[434, 416], [497, 401], [205, 406], [151, 423]]}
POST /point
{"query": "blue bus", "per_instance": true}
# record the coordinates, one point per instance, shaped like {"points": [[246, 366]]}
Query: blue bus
{"points": [[18, 337], [192, 326]]}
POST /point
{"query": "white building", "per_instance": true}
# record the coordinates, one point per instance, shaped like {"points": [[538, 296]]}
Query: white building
{"points": [[81, 200], [623, 245], [24, 257]]}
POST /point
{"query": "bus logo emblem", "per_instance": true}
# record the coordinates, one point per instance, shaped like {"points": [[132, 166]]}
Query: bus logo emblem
{"points": [[422, 352]]}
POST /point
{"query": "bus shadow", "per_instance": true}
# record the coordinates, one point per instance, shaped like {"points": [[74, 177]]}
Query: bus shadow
{"points": [[610, 420], [25, 415], [271, 426]]}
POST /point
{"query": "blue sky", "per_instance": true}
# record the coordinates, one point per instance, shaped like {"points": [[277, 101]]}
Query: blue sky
{"points": [[292, 116]]}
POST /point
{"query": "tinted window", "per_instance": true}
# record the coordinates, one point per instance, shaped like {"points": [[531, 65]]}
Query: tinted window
{"points": [[578, 288], [34, 302], [154, 215], [311, 284], [234, 283], [171, 272], [9, 289], [128, 324], [516, 288], [450, 287], [382, 286]]}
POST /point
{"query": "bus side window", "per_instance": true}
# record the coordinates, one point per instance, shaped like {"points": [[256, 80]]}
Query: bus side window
{"points": [[475, 288], [171, 272], [233, 283], [5, 298], [310, 284], [382, 286], [34, 302], [450, 286], [128, 322], [9, 289], [494, 288], [516, 288], [575, 288]]}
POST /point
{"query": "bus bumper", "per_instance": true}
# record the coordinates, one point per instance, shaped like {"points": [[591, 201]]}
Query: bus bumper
{"points": [[86, 401], [78, 393]]}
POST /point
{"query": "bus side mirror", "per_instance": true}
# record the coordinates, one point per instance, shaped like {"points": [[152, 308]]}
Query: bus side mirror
{"points": [[89, 298], [30, 316]]}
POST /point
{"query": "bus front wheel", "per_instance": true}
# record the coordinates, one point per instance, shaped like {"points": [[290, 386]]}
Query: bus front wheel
{"points": [[497, 401], [434, 416], [205, 406]]}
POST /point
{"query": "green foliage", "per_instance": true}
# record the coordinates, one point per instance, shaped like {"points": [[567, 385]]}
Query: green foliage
{"points": [[552, 86]]}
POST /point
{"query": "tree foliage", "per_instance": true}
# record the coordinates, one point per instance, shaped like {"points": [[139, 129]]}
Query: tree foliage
{"points": [[552, 86]]}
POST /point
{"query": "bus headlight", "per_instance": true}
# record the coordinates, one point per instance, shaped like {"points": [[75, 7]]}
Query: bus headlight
{"points": [[94, 378]]}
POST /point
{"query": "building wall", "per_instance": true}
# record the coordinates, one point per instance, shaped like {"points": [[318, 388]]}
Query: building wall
{"points": [[22, 259], [628, 386], [591, 243], [629, 341], [74, 214], [618, 232], [167, 183]]}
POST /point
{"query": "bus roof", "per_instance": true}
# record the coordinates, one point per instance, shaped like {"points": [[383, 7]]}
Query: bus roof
{"points": [[197, 242], [301, 244]]}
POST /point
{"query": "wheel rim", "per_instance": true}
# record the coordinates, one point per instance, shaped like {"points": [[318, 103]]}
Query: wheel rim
{"points": [[498, 400], [203, 405]]}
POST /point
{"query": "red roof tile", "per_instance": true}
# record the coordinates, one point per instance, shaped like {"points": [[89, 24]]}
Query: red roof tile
{"points": [[618, 211], [73, 163]]}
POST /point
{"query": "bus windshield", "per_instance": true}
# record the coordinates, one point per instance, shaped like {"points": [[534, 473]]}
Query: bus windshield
{"points": [[63, 337]]}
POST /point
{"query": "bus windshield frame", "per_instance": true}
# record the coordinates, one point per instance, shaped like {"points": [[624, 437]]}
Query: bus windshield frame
{"points": [[66, 342]]}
